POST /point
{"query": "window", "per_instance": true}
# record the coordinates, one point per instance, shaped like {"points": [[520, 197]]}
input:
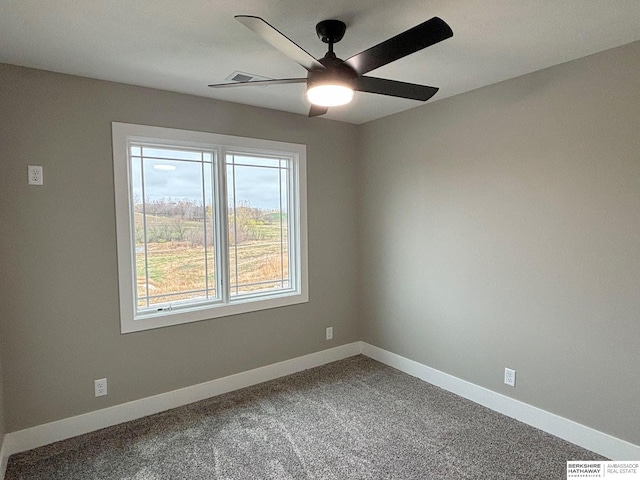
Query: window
{"points": [[207, 225]]}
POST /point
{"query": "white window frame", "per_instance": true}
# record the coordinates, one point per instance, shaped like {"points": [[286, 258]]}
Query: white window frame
{"points": [[123, 134]]}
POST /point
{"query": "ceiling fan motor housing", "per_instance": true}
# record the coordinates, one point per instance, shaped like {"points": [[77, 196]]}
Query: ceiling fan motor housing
{"points": [[335, 72]]}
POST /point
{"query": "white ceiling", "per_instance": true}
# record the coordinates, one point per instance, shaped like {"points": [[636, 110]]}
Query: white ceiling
{"points": [[184, 45]]}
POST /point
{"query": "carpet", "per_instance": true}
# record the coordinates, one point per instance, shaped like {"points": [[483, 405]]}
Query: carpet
{"points": [[351, 419]]}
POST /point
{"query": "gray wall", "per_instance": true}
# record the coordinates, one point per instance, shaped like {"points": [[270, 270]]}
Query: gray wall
{"points": [[58, 288], [2, 429], [502, 228]]}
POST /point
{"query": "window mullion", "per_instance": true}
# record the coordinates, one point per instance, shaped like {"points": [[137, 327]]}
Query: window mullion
{"points": [[222, 225]]}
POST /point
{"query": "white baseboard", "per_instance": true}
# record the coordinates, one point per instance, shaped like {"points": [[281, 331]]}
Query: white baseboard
{"points": [[573, 432], [40, 435], [586, 437]]}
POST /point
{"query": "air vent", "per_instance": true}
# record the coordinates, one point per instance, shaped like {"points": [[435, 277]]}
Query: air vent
{"points": [[241, 77], [245, 77]]}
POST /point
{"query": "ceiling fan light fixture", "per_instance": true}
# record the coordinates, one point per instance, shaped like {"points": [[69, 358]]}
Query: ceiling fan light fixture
{"points": [[331, 81], [330, 95]]}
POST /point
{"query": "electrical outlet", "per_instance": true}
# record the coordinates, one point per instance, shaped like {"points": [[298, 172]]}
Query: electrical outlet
{"points": [[329, 333], [510, 377], [35, 175], [100, 387]]}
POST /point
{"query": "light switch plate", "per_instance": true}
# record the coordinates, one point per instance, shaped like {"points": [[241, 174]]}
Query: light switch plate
{"points": [[329, 333]]}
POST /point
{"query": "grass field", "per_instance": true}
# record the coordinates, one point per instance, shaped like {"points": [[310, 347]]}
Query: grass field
{"points": [[180, 266]]}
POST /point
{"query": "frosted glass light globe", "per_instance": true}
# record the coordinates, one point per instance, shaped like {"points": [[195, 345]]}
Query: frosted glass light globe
{"points": [[329, 95]]}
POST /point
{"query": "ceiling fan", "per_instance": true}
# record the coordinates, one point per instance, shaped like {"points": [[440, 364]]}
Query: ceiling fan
{"points": [[331, 80]]}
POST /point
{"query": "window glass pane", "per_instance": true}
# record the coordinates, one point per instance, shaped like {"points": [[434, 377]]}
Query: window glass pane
{"points": [[206, 235], [175, 254], [139, 235], [284, 222], [258, 239], [156, 152], [240, 159]]}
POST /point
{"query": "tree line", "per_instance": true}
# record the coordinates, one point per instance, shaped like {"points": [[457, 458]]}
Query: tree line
{"points": [[184, 221]]}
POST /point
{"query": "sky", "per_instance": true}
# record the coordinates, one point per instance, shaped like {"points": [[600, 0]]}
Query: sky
{"points": [[183, 180]]}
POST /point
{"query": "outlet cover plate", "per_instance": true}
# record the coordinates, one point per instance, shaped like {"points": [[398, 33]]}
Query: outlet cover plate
{"points": [[100, 387], [35, 175], [510, 377]]}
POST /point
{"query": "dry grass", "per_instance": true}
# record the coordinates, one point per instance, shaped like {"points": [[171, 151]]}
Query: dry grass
{"points": [[175, 267]]}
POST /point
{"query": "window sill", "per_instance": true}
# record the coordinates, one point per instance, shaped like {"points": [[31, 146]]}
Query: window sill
{"points": [[153, 320]]}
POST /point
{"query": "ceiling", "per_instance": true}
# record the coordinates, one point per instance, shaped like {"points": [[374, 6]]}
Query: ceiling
{"points": [[183, 46]]}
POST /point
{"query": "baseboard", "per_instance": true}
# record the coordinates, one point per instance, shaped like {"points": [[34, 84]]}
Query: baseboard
{"points": [[40, 435], [569, 430], [586, 437]]}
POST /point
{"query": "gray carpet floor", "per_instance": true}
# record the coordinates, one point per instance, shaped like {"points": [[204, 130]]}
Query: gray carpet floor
{"points": [[352, 419]]}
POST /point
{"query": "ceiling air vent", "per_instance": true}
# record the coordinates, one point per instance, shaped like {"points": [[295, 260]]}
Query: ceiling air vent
{"points": [[245, 77]]}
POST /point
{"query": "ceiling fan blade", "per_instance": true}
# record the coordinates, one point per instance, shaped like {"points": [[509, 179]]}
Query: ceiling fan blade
{"points": [[316, 111], [394, 88], [257, 83], [421, 36], [278, 40]]}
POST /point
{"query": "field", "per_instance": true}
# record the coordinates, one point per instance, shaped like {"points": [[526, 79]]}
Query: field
{"points": [[175, 265]]}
